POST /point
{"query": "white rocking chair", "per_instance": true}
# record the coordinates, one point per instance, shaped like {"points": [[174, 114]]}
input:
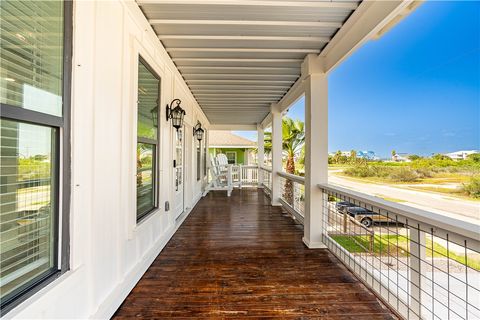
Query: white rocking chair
{"points": [[224, 176]]}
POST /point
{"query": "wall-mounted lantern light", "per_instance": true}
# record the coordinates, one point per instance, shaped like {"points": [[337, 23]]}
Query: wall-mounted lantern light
{"points": [[198, 131], [176, 114], [154, 113]]}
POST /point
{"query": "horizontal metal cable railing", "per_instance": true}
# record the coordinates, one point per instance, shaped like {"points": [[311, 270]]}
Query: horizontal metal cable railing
{"points": [[424, 265], [292, 194]]}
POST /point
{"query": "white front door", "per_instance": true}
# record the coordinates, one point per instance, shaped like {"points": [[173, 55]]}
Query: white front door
{"points": [[178, 172]]}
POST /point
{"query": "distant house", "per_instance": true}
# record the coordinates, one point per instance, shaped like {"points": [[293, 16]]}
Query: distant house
{"points": [[461, 155], [238, 150], [401, 157], [368, 155]]}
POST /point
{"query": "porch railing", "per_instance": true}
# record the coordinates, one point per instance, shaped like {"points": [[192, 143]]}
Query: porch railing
{"points": [[267, 180], [249, 175], [292, 194], [424, 265]]}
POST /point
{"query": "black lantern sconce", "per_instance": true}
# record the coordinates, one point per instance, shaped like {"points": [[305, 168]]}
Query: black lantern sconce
{"points": [[198, 131], [176, 114], [154, 113]]}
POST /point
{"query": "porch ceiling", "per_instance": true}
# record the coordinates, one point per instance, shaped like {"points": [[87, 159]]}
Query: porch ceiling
{"points": [[238, 57]]}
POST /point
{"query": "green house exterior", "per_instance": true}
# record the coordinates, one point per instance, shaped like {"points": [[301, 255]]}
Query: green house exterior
{"points": [[238, 150]]}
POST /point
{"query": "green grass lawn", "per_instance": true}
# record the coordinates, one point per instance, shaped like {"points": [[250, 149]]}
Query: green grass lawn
{"points": [[458, 193], [397, 244]]}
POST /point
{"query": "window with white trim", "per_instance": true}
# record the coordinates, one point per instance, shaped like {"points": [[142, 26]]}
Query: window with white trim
{"points": [[35, 55], [231, 157], [147, 139]]}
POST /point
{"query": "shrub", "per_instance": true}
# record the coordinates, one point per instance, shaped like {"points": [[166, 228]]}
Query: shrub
{"points": [[440, 157], [361, 172], [475, 157], [364, 171], [404, 175], [472, 188], [424, 173], [414, 157]]}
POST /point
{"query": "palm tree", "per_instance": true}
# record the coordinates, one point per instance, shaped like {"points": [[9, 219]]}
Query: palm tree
{"points": [[293, 140]]}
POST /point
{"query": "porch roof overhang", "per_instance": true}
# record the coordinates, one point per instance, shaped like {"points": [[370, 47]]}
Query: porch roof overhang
{"points": [[239, 57]]}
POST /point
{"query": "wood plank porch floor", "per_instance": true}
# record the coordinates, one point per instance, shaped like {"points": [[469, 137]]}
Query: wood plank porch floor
{"points": [[240, 258]]}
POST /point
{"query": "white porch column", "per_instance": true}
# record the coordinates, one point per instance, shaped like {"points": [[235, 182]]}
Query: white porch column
{"points": [[316, 152], [260, 153], [276, 154]]}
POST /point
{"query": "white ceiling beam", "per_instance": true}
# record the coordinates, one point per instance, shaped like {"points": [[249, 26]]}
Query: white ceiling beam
{"points": [[313, 24], [347, 5], [266, 121], [293, 94], [220, 81], [242, 87], [243, 38], [236, 60], [369, 19], [240, 95], [230, 99], [242, 109], [233, 106], [252, 75], [256, 50], [255, 85], [238, 92], [238, 87], [251, 113], [238, 103], [296, 69], [234, 127], [253, 90]]}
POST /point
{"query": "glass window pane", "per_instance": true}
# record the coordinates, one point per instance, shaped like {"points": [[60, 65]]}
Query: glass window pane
{"points": [[232, 157], [148, 86], [179, 147], [145, 179], [27, 185], [31, 55], [199, 157]]}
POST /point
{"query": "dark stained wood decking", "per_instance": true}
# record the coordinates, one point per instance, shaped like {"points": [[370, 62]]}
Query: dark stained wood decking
{"points": [[240, 258]]}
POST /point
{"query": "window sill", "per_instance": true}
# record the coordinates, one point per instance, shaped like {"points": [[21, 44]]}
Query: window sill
{"points": [[143, 221], [39, 290]]}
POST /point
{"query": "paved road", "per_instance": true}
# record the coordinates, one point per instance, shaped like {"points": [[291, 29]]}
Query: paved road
{"points": [[442, 204]]}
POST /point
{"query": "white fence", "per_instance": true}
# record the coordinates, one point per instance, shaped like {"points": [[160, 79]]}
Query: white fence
{"points": [[249, 175]]}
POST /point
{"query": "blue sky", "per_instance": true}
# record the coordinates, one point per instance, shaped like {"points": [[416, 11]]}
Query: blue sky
{"points": [[414, 90]]}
